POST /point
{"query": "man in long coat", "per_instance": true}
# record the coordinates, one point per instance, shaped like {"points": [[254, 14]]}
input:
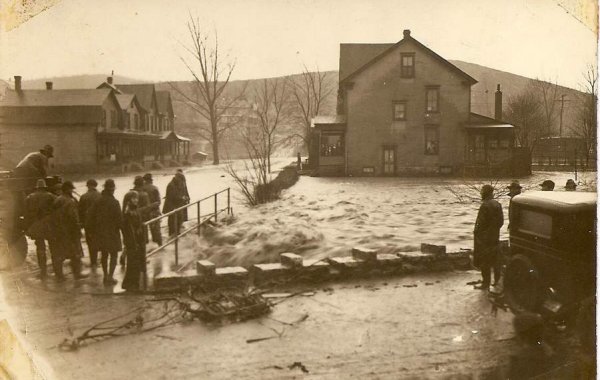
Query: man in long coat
{"points": [[174, 199], [487, 236], [143, 202], [105, 220], [38, 210], [85, 203], [68, 231]]}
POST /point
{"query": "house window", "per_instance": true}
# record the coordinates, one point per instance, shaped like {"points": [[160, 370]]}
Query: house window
{"points": [[399, 110], [433, 99], [113, 119], [493, 143], [432, 140], [407, 65], [136, 122], [103, 123], [125, 118], [504, 144], [332, 145]]}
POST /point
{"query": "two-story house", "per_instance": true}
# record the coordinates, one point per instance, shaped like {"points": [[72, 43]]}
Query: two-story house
{"points": [[404, 110]]}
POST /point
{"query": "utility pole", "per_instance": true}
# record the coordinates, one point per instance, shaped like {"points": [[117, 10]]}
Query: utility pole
{"points": [[562, 106]]}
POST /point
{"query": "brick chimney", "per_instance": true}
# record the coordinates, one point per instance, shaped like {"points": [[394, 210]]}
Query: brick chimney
{"points": [[498, 104], [48, 85], [109, 80], [17, 83], [406, 33]]}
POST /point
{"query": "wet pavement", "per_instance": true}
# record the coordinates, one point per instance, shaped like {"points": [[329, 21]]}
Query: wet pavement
{"points": [[418, 326]]}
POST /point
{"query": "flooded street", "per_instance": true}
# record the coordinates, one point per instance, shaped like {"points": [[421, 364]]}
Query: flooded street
{"points": [[413, 326]]}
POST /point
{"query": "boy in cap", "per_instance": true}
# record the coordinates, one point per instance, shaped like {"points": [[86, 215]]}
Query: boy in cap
{"points": [[85, 202], [105, 221], [154, 197]]}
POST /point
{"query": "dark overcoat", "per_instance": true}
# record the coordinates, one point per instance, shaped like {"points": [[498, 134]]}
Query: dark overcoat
{"points": [[175, 196], [104, 219], [487, 230], [67, 230]]}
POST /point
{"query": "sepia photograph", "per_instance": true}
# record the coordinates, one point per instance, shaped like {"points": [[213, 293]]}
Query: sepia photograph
{"points": [[307, 189]]}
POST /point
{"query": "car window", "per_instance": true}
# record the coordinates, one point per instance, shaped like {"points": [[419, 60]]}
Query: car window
{"points": [[535, 223]]}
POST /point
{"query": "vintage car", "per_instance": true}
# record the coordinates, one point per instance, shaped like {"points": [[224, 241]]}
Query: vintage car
{"points": [[551, 269]]}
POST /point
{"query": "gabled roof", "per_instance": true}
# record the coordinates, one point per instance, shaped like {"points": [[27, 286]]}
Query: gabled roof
{"points": [[125, 100], [164, 104], [358, 57], [109, 86], [354, 56], [145, 93], [55, 98]]}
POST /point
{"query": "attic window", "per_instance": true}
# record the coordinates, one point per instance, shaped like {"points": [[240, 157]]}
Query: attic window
{"points": [[407, 65]]}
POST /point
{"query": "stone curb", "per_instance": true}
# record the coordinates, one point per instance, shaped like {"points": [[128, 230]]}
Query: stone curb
{"points": [[292, 268]]}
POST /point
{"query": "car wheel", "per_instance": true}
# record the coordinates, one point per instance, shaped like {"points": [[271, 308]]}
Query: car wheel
{"points": [[586, 324], [522, 285]]}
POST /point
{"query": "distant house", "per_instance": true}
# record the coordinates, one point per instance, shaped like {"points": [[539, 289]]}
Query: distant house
{"points": [[404, 110], [88, 128]]}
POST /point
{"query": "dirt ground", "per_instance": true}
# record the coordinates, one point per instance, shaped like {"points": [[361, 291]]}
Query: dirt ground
{"points": [[375, 329]]}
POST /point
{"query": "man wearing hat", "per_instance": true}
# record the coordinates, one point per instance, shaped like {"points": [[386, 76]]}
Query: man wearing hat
{"points": [[514, 189], [34, 164], [547, 185], [153, 197], [143, 203], [38, 207], [85, 202], [570, 185], [487, 237], [68, 228], [104, 219]]}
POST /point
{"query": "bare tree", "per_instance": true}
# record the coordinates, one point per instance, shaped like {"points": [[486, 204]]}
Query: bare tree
{"points": [[525, 112], [211, 71], [254, 175], [547, 94], [311, 92], [587, 122], [272, 110]]}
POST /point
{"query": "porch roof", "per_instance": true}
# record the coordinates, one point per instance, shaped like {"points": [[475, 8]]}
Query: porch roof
{"points": [[477, 121], [328, 120], [173, 136], [128, 134]]}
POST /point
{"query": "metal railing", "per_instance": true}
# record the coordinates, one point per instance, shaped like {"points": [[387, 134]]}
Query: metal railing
{"points": [[200, 220]]}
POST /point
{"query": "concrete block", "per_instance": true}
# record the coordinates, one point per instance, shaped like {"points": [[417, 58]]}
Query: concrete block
{"points": [[434, 249], [386, 259], [205, 268], [231, 273], [169, 280], [347, 262], [414, 257], [364, 254], [291, 260]]}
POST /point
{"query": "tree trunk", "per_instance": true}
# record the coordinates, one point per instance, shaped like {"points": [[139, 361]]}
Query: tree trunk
{"points": [[215, 139]]}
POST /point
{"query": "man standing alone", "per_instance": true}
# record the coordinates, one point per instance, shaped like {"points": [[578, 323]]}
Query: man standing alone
{"points": [[487, 236], [85, 202]]}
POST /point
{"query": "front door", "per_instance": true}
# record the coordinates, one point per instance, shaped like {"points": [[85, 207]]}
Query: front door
{"points": [[389, 160]]}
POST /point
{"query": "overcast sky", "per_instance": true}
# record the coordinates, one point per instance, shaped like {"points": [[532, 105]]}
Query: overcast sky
{"points": [[141, 38]]}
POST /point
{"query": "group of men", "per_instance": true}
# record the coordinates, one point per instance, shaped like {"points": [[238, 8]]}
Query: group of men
{"points": [[54, 218], [490, 219]]}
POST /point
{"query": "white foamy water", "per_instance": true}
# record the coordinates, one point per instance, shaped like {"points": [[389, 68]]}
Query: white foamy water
{"points": [[321, 217]]}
